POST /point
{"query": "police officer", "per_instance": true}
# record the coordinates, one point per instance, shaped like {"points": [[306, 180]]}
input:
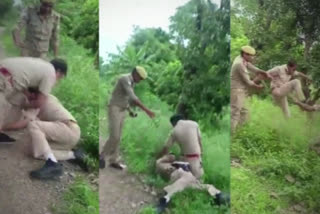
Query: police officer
{"points": [[188, 171], [122, 95], [241, 84], [55, 124], [284, 82], [20, 73], [41, 25]]}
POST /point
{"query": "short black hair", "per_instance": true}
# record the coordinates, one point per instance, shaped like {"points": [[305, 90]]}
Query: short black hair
{"points": [[61, 65], [33, 90], [291, 63], [175, 118]]}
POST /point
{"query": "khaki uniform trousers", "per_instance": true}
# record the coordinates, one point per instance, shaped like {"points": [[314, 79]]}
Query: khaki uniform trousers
{"points": [[116, 117], [280, 95], [239, 114], [63, 136], [181, 179]]}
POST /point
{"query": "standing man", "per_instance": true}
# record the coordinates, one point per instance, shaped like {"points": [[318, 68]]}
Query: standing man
{"points": [[283, 83], [54, 123], [241, 83], [20, 73], [41, 25], [188, 171], [122, 95]]}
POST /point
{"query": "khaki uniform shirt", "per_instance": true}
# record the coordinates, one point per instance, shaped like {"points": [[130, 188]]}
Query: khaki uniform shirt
{"points": [[30, 72], [240, 78], [123, 93], [53, 110], [280, 75], [39, 31], [186, 133]]}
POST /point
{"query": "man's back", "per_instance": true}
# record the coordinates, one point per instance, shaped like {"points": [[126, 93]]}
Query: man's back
{"points": [[53, 110], [186, 133], [30, 72]]}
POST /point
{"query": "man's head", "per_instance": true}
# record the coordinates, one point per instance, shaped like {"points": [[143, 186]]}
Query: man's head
{"points": [[46, 6], [61, 68], [138, 74], [175, 118], [292, 66], [248, 53]]}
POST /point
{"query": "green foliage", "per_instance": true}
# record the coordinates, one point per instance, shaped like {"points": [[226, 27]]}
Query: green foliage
{"points": [[204, 52], [5, 7], [79, 199], [279, 149], [80, 21]]}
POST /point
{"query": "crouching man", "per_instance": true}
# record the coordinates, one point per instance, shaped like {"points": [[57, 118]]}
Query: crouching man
{"points": [[55, 124]]}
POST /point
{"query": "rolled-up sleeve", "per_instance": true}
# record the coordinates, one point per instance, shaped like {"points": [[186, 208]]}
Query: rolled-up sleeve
{"points": [[253, 68]]}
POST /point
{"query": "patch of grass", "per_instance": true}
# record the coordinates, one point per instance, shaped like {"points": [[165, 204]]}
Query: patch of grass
{"points": [[80, 198], [251, 193], [276, 156]]}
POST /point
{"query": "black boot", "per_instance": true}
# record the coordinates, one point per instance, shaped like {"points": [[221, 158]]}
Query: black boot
{"points": [[5, 139], [163, 204], [80, 157], [222, 199], [118, 166], [102, 163], [50, 170]]}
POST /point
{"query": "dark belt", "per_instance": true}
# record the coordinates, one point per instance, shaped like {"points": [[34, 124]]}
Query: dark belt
{"points": [[192, 156], [7, 74]]}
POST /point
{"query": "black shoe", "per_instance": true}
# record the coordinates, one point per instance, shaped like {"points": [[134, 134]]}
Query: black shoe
{"points": [[50, 170], [5, 139], [80, 157], [222, 199], [163, 204], [118, 166], [102, 163]]}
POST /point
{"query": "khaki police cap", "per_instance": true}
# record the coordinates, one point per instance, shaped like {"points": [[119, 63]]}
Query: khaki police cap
{"points": [[142, 72], [248, 49], [48, 1]]}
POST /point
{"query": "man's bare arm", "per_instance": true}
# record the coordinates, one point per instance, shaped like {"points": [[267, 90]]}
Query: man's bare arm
{"points": [[16, 125]]}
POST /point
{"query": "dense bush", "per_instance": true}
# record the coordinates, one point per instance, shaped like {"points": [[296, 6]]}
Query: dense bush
{"points": [[5, 7]]}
